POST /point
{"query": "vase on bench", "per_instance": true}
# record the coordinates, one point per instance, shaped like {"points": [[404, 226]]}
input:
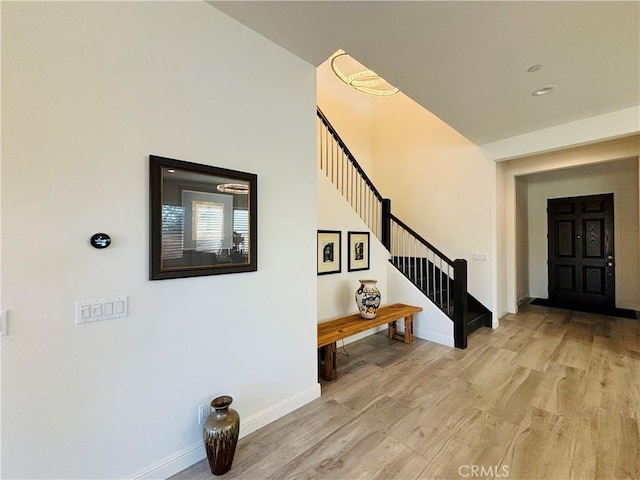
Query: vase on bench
{"points": [[368, 299]]}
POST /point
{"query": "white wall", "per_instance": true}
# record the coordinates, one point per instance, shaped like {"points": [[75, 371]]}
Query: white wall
{"points": [[619, 178], [336, 291], [90, 89], [439, 183], [608, 126], [522, 237], [507, 173], [500, 245], [350, 112]]}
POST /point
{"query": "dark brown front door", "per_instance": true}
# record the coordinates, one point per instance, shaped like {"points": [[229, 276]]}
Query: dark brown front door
{"points": [[581, 256]]}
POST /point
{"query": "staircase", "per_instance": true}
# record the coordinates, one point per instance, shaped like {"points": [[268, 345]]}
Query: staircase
{"points": [[442, 280]]}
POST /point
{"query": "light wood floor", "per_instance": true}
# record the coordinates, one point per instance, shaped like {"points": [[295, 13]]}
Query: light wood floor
{"points": [[551, 394]]}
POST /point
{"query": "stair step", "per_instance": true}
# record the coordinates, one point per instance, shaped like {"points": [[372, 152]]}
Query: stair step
{"points": [[475, 320]]}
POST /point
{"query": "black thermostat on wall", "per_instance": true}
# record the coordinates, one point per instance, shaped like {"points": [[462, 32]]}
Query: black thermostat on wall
{"points": [[100, 240]]}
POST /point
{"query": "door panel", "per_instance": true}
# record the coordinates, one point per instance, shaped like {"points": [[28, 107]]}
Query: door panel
{"points": [[593, 238], [564, 240], [566, 277], [580, 249]]}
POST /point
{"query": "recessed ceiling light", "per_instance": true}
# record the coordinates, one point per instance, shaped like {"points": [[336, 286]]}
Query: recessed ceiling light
{"points": [[171, 170], [543, 91], [534, 68]]}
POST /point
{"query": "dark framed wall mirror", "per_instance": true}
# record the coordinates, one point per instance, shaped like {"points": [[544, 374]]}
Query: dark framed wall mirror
{"points": [[203, 219]]}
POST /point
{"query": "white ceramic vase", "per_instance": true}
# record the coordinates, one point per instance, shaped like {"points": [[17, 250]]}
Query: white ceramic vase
{"points": [[368, 299]]}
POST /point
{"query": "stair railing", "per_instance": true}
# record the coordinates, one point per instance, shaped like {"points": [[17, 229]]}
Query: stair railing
{"points": [[442, 280], [340, 166]]}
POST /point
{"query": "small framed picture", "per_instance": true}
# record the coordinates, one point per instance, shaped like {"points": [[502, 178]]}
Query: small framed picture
{"points": [[329, 251], [358, 251]]}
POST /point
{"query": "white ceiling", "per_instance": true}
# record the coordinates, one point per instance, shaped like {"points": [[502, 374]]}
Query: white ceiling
{"points": [[467, 62]]}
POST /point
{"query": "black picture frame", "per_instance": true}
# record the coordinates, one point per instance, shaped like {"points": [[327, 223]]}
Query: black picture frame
{"points": [[203, 219], [359, 253], [329, 252]]}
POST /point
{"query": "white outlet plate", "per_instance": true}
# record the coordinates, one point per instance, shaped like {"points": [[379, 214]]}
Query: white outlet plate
{"points": [[203, 412], [481, 257]]}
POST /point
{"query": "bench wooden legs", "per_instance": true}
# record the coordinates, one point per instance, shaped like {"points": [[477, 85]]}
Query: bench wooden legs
{"points": [[327, 354], [408, 329], [327, 362], [407, 337]]}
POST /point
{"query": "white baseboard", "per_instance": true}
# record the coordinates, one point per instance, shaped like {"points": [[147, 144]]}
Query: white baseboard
{"points": [[173, 464], [279, 410], [195, 452], [435, 337]]}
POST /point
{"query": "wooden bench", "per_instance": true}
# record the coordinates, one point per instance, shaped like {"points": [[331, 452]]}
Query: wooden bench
{"points": [[333, 330]]}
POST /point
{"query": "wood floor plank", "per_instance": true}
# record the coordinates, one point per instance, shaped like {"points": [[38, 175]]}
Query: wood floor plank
{"points": [[389, 459], [484, 440], [428, 427], [607, 447], [541, 447], [276, 444], [561, 391], [632, 367], [498, 358], [573, 353], [342, 450], [516, 339], [537, 353], [607, 387], [631, 329], [429, 386]]}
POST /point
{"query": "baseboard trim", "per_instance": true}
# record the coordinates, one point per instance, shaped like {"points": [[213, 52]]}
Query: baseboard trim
{"points": [[434, 337], [523, 298], [173, 464], [279, 410], [195, 452]]}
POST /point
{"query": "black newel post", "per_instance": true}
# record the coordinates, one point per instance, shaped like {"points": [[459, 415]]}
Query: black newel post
{"points": [[460, 303], [386, 223]]}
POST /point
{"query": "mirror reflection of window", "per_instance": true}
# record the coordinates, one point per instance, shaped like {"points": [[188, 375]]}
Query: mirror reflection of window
{"points": [[241, 231], [208, 225], [172, 228]]}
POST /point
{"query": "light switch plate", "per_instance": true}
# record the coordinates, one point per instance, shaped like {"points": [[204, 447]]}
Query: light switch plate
{"points": [[3, 323], [88, 311]]}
